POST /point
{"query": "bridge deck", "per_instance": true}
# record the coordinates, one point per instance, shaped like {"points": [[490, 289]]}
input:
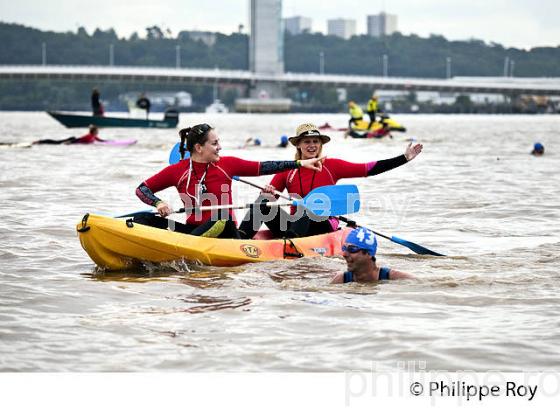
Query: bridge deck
{"points": [[490, 85]]}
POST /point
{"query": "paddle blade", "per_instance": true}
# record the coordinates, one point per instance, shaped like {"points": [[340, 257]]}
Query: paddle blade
{"points": [[332, 200], [175, 154], [420, 250]]}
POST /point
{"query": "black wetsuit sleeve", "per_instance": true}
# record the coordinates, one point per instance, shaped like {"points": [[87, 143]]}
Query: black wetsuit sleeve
{"points": [[387, 164], [146, 195], [273, 167]]}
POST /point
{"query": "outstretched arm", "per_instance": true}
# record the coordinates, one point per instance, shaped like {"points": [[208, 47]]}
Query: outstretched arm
{"points": [[345, 169], [410, 153]]}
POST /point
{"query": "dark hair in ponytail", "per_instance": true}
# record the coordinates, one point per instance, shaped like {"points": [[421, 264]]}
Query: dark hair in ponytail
{"points": [[182, 149], [197, 134]]}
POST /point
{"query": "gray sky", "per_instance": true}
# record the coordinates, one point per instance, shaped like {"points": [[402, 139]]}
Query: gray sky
{"points": [[515, 23]]}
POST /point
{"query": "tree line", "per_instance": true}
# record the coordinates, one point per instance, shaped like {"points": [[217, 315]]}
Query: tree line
{"points": [[399, 55]]}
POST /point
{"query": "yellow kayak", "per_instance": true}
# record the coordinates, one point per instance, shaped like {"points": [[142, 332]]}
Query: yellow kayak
{"points": [[118, 244], [362, 125]]}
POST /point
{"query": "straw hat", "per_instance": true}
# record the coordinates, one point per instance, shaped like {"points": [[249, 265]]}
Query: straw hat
{"points": [[308, 130]]}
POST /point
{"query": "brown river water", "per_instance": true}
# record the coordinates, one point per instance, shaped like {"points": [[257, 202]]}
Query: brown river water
{"points": [[474, 194]]}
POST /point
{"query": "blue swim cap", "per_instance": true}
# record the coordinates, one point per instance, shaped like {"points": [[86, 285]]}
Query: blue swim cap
{"points": [[284, 139], [538, 146], [257, 141], [364, 239]]}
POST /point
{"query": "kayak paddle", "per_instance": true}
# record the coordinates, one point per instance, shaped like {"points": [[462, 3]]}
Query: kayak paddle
{"points": [[421, 250], [340, 199], [328, 200]]}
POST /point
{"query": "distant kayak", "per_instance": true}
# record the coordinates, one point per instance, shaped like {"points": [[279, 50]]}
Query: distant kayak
{"points": [[369, 134], [363, 126]]}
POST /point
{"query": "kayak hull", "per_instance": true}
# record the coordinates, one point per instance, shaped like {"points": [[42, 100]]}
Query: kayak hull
{"points": [[83, 121], [118, 244], [364, 134], [362, 125]]}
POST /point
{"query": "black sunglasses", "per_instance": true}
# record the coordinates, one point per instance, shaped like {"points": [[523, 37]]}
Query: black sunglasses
{"points": [[201, 129], [351, 248]]}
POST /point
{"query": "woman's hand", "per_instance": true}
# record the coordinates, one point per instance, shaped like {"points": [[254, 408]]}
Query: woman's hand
{"points": [[164, 209], [269, 189], [412, 151], [316, 164]]}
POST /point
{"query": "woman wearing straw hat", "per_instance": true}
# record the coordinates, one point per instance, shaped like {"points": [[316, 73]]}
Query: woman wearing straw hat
{"points": [[309, 143]]}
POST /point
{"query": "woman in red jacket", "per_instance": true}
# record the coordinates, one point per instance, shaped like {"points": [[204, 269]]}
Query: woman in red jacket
{"points": [[309, 143], [205, 179]]}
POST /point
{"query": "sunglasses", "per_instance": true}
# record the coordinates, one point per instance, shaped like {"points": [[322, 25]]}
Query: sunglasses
{"points": [[351, 248], [201, 129]]}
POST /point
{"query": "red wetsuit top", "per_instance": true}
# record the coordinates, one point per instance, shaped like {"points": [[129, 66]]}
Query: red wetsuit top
{"points": [[87, 139], [216, 177], [302, 180]]}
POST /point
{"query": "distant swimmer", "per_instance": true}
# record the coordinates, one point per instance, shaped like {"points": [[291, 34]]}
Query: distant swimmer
{"points": [[538, 149], [252, 142], [89, 138], [359, 251], [283, 141]]}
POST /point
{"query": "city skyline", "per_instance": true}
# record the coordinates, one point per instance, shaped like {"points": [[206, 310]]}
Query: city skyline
{"points": [[515, 23]]}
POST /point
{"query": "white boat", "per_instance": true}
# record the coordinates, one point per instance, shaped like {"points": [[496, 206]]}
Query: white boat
{"points": [[217, 107]]}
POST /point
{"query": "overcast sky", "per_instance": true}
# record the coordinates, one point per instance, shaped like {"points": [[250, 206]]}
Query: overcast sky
{"points": [[515, 23]]}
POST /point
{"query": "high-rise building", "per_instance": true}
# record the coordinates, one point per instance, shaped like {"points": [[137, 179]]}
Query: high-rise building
{"points": [[344, 28], [381, 25], [297, 24], [266, 44]]}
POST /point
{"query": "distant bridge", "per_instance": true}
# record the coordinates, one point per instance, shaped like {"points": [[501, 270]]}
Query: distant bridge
{"points": [[479, 85]]}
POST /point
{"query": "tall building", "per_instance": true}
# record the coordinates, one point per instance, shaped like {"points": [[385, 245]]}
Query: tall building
{"points": [[297, 24], [381, 25], [266, 44], [344, 28]]}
